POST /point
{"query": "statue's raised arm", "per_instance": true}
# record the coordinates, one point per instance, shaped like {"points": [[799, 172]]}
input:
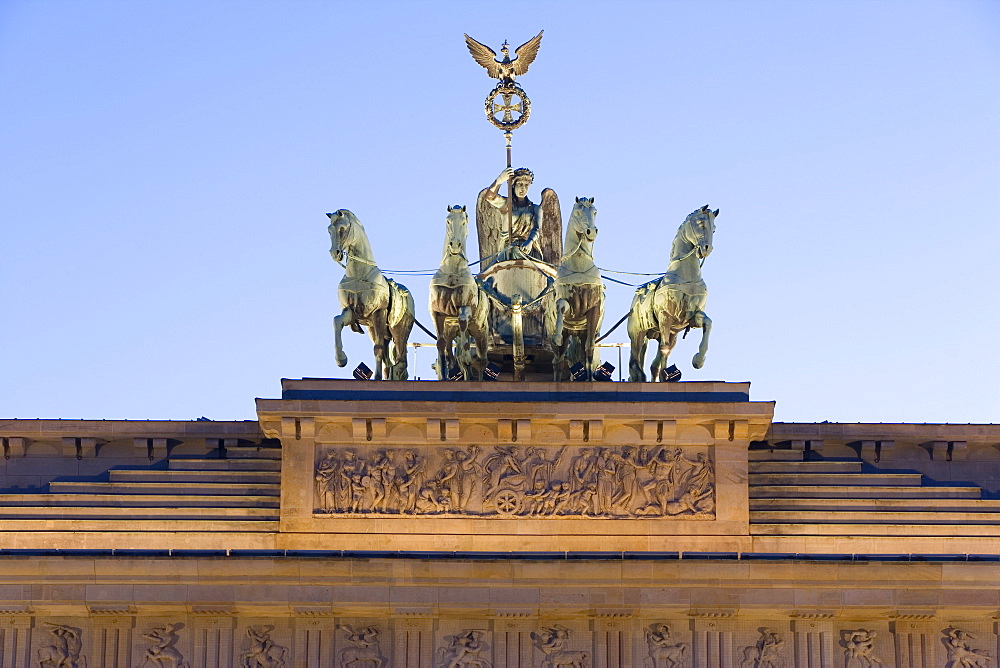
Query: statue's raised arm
{"points": [[530, 231]]}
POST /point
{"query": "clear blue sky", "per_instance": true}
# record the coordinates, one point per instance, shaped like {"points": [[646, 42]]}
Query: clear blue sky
{"points": [[166, 167]]}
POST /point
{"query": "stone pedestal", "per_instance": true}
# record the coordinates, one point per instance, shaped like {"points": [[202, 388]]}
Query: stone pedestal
{"points": [[548, 467]]}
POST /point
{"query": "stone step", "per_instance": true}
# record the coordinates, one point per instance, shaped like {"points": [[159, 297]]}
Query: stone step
{"points": [[80, 500], [876, 530], [165, 488], [253, 453], [84, 512], [861, 492], [208, 477], [871, 517], [843, 479], [805, 467], [775, 455], [153, 525], [248, 464], [877, 505]]}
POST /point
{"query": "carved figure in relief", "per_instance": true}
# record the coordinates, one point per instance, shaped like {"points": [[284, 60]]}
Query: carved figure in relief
{"points": [[960, 655], [65, 650], [326, 482], [382, 472], [679, 485], [660, 489], [583, 482], [366, 652], [163, 654], [369, 299], [352, 472], [459, 308], [766, 653], [860, 649], [629, 491], [663, 652], [411, 477], [552, 642], [469, 472], [606, 470], [463, 651], [263, 652], [675, 302], [539, 468], [505, 469]]}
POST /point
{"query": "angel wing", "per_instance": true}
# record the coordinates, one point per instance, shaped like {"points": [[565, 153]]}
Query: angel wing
{"points": [[486, 56], [550, 228], [490, 225], [526, 54]]}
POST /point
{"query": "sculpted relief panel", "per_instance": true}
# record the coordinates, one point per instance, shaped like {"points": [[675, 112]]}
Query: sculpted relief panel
{"points": [[522, 481], [522, 642]]}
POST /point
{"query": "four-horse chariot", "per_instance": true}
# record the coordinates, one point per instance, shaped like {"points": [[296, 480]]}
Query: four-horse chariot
{"points": [[535, 309]]}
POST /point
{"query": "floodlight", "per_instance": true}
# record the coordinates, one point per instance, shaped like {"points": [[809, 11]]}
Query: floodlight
{"points": [[492, 371], [578, 372], [604, 371], [363, 372], [671, 374], [456, 374]]}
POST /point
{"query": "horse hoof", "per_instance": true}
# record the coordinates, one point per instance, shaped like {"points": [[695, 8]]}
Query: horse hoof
{"points": [[341, 360], [698, 361]]}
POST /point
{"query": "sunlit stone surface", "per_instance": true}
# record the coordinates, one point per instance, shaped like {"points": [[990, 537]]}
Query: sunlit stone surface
{"points": [[499, 524]]}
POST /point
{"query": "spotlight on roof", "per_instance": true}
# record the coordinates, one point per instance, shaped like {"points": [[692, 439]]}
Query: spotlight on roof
{"points": [[492, 371], [604, 371], [578, 372], [363, 372], [456, 374], [671, 374]]}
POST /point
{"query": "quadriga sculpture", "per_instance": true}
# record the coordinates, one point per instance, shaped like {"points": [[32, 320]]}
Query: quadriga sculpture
{"points": [[675, 302], [576, 305], [369, 298], [458, 305]]}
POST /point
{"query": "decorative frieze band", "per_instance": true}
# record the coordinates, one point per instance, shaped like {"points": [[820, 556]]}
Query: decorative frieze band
{"points": [[452, 643], [515, 480]]}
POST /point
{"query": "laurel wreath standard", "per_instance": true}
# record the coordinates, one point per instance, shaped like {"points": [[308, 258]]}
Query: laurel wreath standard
{"points": [[525, 107]]}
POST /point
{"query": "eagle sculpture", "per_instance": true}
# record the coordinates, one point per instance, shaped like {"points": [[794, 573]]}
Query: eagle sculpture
{"points": [[505, 70]]}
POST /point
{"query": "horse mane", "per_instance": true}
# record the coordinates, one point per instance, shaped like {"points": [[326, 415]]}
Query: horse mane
{"points": [[358, 238]]}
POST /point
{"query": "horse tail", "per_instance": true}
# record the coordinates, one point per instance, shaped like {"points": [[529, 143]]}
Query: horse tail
{"points": [[642, 316], [401, 307], [400, 322]]}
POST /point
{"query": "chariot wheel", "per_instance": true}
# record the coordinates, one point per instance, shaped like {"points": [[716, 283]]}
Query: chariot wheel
{"points": [[507, 502]]}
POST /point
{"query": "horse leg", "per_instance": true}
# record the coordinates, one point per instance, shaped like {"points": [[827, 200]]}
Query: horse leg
{"points": [[478, 332], [637, 355], [442, 345], [561, 307], [703, 321], [379, 331], [464, 346], [399, 335], [559, 343], [590, 350], [345, 319], [668, 339]]}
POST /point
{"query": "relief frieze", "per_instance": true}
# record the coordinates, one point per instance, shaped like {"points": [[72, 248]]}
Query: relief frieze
{"points": [[517, 481]]}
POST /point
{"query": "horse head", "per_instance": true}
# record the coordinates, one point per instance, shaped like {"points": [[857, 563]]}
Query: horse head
{"points": [[582, 225], [698, 230], [347, 236], [457, 231]]}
